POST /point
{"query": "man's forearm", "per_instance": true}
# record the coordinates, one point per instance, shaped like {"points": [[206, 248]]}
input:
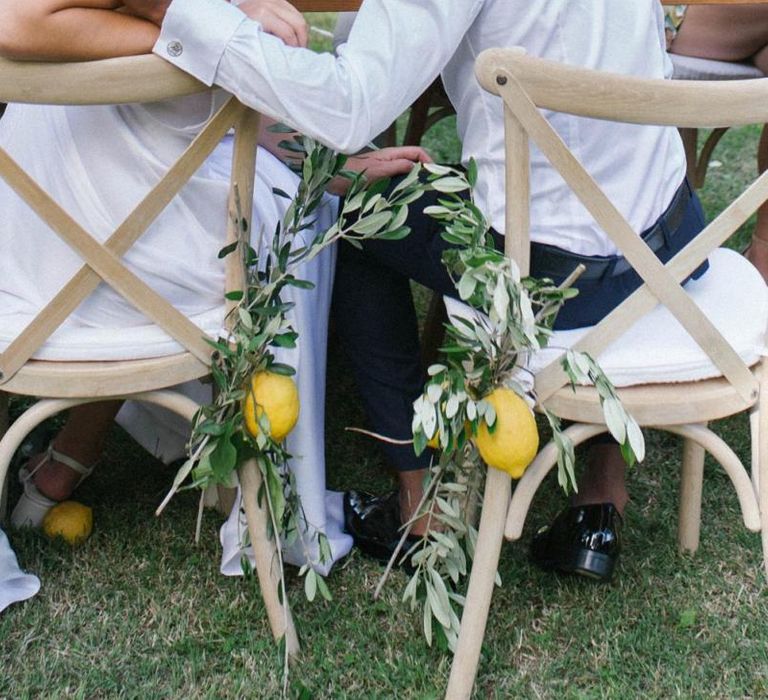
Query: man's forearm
{"points": [[342, 101]]}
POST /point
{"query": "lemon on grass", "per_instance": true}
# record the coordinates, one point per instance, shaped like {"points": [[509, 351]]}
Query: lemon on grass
{"points": [[514, 442], [69, 520], [277, 396]]}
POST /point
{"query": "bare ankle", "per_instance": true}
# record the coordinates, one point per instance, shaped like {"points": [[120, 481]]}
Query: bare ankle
{"points": [[411, 495], [603, 480], [53, 479]]}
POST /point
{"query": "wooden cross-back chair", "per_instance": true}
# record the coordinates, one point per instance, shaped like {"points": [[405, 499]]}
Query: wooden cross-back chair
{"points": [[62, 385], [526, 84]]}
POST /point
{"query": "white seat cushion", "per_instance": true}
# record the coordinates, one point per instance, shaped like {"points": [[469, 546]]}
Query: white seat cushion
{"points": [[72, 342], [690, 68], [732, 294]]}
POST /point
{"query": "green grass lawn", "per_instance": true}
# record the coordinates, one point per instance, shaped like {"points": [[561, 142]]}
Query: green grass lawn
{"points": [[140, 611]]}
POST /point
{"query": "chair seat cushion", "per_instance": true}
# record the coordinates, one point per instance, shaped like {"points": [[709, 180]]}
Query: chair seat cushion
{"points": [[690, 68], [656, 349], [72, 342]]}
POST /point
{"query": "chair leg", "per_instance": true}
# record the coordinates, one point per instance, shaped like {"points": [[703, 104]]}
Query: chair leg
{"points": [[536, 473], [721, 452], [4, 414], [4, 423], [762, 464], [222, 498], [225, 499], [417, 120], [14, 435], [691, 478], [705, 155], [481, 582], [754, 431], [265, 551], [690, 138]]}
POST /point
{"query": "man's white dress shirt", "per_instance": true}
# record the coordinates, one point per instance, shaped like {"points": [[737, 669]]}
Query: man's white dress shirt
{"points": [[397, 47]]}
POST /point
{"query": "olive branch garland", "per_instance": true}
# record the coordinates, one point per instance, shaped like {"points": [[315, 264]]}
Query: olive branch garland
{"points": [[219, 441], [483, 352], [511, 318]]}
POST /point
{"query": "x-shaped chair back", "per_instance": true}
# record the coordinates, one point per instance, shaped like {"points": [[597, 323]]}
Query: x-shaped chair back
{"points": [[139, 79], [527, 85], [67, 384], [122, 81]]}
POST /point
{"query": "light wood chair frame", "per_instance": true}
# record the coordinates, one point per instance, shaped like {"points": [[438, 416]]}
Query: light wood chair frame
{"points": [[697, 160], [525, 85], [62, 385]]}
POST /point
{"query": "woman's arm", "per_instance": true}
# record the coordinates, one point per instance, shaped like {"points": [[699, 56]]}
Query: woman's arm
{"points": [[68, 30]]}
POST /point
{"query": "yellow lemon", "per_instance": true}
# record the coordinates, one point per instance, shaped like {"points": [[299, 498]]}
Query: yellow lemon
{"points": [[69, 519], [515, 441], [277, 396], [434, 441]]}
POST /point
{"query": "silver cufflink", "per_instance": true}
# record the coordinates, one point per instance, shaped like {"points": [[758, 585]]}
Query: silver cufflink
{"points": [[174, 49]]}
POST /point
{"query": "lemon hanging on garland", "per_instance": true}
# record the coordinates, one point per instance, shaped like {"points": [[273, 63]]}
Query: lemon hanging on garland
{"points": [[513, 444], [276, 396]]}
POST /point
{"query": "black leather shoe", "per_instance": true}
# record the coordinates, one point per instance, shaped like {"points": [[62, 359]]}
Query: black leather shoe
{"points": [[374, 523], [583, 540]]}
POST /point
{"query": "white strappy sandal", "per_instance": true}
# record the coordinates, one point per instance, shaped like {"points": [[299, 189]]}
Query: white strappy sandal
{"points": [[33, 505]]}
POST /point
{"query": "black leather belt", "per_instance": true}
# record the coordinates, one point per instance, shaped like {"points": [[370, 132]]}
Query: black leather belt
{"points": [[550, 261]]}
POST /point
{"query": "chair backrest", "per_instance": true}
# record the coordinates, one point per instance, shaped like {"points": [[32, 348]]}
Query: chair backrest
{"points": [[121, 81], [525, 84], [137, 79], [117, 81]]}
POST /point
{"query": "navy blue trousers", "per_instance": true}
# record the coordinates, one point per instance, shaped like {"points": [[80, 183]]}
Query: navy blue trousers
{"points": [[377, 325]]}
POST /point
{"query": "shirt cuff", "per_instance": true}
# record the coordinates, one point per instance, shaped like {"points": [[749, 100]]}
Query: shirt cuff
{"points": [[195, 34]]}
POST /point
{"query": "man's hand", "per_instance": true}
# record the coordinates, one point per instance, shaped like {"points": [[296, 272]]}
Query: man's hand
{"points": [[276, 17], [152, 10], [280, 18], [376, 165]]}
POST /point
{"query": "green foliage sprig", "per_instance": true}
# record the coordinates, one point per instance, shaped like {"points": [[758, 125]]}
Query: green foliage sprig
{"points": [[510, 318], [259, 324]]}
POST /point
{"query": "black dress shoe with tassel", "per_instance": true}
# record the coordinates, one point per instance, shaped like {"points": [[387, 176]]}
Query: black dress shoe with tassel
{"points": [[374, 523], [583, 540]]}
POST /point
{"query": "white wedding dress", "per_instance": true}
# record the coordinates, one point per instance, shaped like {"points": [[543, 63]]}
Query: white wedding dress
{"points": [[98, 162]]}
